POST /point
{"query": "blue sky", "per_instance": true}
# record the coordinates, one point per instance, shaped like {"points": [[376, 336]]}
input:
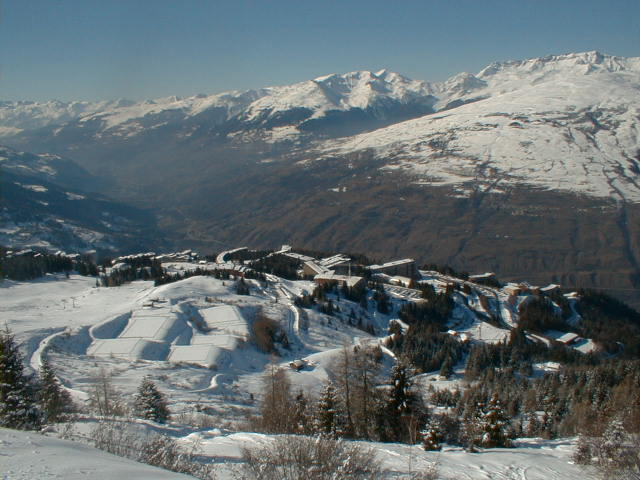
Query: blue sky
{"points": [[90, 50]]}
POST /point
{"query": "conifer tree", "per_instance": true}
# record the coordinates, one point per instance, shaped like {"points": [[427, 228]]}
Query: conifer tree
{"points": [[150, 403], [494, 425], [447, 368], [327, 415], [54, 401], [431, 437], [300, 417], [17, 403], [404, 411]]}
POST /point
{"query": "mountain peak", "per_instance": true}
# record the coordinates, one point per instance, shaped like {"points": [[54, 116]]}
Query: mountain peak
{"points": [[581, 62]]}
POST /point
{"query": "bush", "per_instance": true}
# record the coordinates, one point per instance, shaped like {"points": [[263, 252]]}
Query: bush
{"points": [[267, 332], [157, 450], [310, 458]]}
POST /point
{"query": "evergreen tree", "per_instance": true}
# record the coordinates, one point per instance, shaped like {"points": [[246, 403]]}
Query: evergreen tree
{"points": [[150, 403], [327, 416], [404, 411], [301, 418], [53, 400], [447, 368], [614, 444], [495, 425], [17, 403], [432, 436]]}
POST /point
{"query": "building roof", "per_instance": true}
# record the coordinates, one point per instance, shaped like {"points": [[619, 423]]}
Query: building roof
{"points": [[395, 263], [318, 269], [334, 260], [550, 288], [482, 275], [333, 277], [297, 256], [563, 337]]}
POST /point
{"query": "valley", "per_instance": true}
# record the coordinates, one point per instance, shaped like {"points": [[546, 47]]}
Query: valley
{"points": [[527, 168]]}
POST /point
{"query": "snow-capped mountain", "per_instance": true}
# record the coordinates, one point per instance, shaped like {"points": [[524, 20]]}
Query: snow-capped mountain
{"points": [[566, 123], [477, 171], [16, 116], [300, 105]]}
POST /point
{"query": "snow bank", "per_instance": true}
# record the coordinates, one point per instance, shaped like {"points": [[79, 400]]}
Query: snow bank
{"points": [[26, 455]]}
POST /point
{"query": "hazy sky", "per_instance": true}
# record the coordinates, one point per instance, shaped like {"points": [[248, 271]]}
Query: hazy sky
{"points": [[102, 49]]}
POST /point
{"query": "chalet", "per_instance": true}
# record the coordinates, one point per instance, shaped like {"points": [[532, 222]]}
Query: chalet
{"points": [[406, 268], [297, 365], [513, 289]]}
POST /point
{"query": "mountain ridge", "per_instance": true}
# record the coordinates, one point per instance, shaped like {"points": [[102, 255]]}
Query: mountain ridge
{"points": [[325, 93]]}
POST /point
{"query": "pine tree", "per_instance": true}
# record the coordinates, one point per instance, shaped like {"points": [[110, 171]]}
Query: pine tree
{"points": [[327, 416], [447, 368], [613, 445], [404, 411], [300, 417], [53, 400], [432, 436], [494, 425], [17, 403], [150, 403]]}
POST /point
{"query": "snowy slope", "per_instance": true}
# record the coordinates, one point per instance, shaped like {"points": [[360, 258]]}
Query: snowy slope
{"points": [[565, 123], [16, 116], [45, 166], [64, 319], [29, 456], [305, 100]]}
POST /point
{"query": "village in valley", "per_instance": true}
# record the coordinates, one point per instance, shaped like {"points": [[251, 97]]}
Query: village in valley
{"points": [[215, 332]]}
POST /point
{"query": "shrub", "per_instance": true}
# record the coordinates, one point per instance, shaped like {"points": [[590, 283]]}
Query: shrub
{"points": [[157, 450], [267, 332], [310, 458]]}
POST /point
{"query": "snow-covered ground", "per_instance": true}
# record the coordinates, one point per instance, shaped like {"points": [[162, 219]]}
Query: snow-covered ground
{"points": [[193, 338], [27, 456], [30, 456]]}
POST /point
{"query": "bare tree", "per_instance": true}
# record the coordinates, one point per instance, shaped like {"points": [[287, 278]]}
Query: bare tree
{"points": [[277, 402], [357, 377], [366, 397], [104, 399]]}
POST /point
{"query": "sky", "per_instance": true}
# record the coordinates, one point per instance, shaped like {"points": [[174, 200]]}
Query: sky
{"points": [[138, 49]]}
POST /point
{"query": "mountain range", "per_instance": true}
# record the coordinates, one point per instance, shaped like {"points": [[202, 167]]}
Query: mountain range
{"points": [[528, 168]]}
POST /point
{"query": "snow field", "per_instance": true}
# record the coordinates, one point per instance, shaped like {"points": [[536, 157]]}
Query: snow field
{"points": [[138, 340], [30, 455]]}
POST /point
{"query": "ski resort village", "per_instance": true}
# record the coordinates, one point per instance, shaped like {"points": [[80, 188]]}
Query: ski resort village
{"points": [[239, 364]]}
